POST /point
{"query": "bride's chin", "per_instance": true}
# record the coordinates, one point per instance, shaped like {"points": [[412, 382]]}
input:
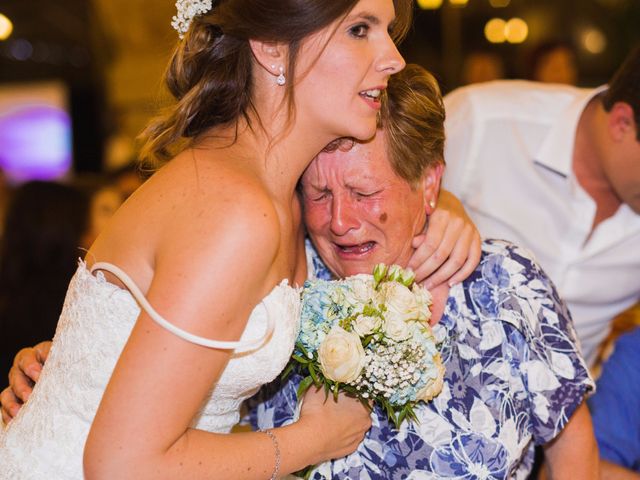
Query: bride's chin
{"points": [[365, 133]]}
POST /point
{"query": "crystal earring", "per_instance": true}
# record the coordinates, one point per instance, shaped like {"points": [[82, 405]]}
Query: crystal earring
{"points": [[280, 79], [432, 203]]}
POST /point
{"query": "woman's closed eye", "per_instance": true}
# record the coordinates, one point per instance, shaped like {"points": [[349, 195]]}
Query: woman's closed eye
{"points": [[366, 194], [318, 195]]}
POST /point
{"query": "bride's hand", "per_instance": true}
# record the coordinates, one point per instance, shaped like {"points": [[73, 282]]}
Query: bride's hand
{"points": [[25, 371], [450, 249], [339, 426]]}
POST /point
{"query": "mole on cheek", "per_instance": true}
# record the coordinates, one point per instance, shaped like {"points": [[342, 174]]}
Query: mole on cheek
{"points": [[383, 218]]}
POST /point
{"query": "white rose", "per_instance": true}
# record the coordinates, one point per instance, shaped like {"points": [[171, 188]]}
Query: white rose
{"points": [[341, 355], [360, 290], [362, 287], [395, 327], [364, 325], [399, 300], [423, 302], [434, 387]]}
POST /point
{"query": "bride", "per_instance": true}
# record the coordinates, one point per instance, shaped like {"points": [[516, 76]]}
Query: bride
{"points": [[211, 247]]}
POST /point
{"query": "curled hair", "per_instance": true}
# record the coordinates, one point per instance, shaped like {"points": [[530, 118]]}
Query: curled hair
{"points": [[210, 73], [625, 87], [412, 118]]}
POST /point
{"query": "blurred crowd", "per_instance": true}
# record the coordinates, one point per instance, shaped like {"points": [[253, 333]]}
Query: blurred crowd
{"points": [[552, 61]]}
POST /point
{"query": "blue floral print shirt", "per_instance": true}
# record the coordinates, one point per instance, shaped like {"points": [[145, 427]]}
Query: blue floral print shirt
{"points": [[514, 377]]}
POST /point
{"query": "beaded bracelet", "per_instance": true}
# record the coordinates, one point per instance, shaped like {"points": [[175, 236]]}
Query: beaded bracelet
{"points": [[276, 446]]}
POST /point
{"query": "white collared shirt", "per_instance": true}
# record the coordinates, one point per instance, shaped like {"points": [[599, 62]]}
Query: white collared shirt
{"points": [[509, 156]]}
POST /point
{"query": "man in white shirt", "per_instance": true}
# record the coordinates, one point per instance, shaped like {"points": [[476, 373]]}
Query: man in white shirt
{"points": [[557, 169]]}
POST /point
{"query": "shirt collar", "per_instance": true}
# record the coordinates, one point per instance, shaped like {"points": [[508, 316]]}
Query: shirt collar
{"points": [[556, 152]]}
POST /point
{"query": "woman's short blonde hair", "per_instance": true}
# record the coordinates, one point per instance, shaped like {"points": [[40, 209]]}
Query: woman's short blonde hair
{"points": [[412, 119]]}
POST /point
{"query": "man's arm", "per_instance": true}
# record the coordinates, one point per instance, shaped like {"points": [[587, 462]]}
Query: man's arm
{"points": [[615, 407], [611, 471], [24, 373]]}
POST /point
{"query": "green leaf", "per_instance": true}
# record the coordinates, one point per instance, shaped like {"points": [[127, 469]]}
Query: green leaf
{"points": [[401, 417], [304, 386], [304, 351], [327, 390], [300, 359], [305, 472], [314, 375], [287, 371]]}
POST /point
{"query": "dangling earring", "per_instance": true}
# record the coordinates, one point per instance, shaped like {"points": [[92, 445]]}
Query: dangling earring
{"points": [[280, 79]]}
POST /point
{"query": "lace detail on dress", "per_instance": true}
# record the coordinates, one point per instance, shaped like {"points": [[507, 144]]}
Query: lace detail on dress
{"points": [[46, 439]]}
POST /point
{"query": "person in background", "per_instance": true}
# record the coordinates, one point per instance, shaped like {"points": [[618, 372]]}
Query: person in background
{"points": [[5, 195], [615, 409], [128, 178], [556, 169], [105, 197], [481, 66], [39, 250], [553, 62]]}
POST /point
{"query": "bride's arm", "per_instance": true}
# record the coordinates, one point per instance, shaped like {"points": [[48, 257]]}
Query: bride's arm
{"points": [[210, 272]]}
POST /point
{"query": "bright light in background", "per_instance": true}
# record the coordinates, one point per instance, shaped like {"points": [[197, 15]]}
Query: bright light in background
{"points": [[429, 4], [499, 3], [593, 41], [6, 27], [516, 30], [458, 3], [494, 30], [35, 131]]}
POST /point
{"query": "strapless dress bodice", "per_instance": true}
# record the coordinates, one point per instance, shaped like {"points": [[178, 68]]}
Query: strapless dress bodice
{"points": [[46, 439]]}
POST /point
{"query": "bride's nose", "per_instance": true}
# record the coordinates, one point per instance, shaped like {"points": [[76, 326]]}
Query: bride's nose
{"points": [[391, 61]]}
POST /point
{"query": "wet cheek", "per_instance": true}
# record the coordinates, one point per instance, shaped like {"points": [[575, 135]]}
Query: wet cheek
{"points": [[315, 217]]}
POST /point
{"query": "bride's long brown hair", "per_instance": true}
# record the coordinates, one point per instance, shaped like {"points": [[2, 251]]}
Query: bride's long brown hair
{"points": [[209, 74]]}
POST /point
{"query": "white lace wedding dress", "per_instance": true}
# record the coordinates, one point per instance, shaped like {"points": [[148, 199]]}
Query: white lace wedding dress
{"points": [[46, 439]]}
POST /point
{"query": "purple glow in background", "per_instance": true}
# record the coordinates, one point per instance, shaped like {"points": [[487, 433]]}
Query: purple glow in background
{"points": [[35, 143]]}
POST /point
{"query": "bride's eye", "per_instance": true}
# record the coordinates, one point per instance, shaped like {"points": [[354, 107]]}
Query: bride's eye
{"points": [[359, 31]]}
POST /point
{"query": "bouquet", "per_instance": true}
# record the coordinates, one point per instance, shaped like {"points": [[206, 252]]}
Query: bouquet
{"points": [[369, 336]]}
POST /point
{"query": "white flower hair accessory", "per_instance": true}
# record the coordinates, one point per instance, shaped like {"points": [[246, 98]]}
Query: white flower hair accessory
{"points": [[187, 11]]}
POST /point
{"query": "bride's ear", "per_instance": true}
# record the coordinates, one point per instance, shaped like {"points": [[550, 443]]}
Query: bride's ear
{"points": [[270, 56]]}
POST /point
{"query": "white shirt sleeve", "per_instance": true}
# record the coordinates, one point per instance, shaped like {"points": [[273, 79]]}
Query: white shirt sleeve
{"points": [[460, 130]]}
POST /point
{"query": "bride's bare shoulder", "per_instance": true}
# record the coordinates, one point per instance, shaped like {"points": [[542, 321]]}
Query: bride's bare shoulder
{"points": [[196, 205]]}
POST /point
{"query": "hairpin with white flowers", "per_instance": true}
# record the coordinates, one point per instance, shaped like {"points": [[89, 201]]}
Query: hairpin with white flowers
{"points": [[187, 10]]}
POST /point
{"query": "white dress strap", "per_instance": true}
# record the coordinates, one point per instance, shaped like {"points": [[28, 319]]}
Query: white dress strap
{"points": [[156, 317]]}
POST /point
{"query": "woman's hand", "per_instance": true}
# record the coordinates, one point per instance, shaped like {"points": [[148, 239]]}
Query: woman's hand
{"points": [[24, 373], [338, 426], [450, 248]]}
